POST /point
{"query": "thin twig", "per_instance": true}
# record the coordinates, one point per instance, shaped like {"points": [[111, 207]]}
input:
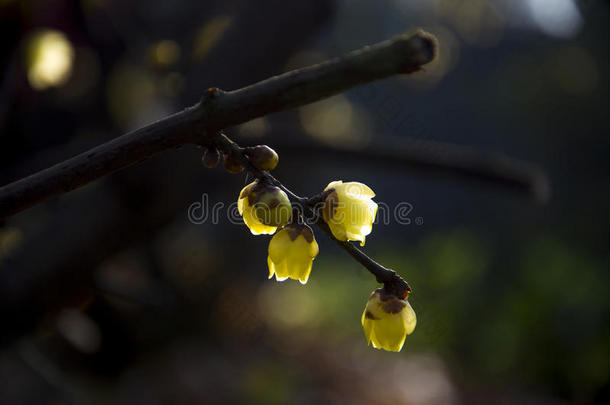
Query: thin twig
{"points": [[228, 146], [219, 109], [389, 278]]}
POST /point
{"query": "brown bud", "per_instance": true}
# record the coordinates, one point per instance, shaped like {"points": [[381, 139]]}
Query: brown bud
{"points": [[232, 164], [210, 157], [262, 157]]}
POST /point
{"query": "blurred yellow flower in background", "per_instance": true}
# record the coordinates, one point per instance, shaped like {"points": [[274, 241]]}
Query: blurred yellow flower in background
{"points": [[349, 210], [291, 253], [387, 320]]}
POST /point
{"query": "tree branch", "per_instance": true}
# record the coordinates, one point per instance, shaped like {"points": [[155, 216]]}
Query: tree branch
{"points": [[219, 109]]}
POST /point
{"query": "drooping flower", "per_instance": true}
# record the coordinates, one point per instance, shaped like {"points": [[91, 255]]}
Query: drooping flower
{"points": [[349, 210], [387, 320], [291, 253], [264, 207]]}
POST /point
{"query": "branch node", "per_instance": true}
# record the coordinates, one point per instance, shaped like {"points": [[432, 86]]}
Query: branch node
{"points": [[422, 49], [210, 94], [395, 285]]}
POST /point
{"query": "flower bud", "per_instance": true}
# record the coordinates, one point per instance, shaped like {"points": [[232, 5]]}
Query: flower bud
{"points": [[232, 163], [262, 157], [387, 320], [263, 207], [273, 207], [210, 157]]}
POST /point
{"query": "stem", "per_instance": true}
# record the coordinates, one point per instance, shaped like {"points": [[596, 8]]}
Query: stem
{"points": [[228, 146], [381, 273], [392, 282]]}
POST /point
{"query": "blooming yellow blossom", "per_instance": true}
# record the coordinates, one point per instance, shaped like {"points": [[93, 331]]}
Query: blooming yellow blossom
{"points": [[263, 207], [349, 210], [291, 253], [387, 320]]}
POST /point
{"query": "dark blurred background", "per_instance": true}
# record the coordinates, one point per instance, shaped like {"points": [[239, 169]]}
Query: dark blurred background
{"points": [[111, 294]]}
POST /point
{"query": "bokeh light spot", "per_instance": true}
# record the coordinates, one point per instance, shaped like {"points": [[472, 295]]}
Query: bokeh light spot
{"points": [[130, 90], [254, 128], [165, 53], [209, 35], [287, 305], [335, 121], [49, 59], [558, 18], [10, 239], [79, 330]]}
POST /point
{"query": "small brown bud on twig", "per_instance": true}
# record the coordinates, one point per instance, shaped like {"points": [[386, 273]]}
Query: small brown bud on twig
{"points": [[210, 157], [232, 163], [262, 157]]}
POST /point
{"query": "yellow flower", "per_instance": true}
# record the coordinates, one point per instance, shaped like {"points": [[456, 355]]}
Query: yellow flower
{"points": [[387, 320], [291, 253], [263, 207], [349, 210]]}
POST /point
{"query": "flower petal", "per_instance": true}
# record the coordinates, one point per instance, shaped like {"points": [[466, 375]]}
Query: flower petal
{"points": [[367, 325], [271, 266], [255, 226], [333, 184], [357, 189], [409, 318]]}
